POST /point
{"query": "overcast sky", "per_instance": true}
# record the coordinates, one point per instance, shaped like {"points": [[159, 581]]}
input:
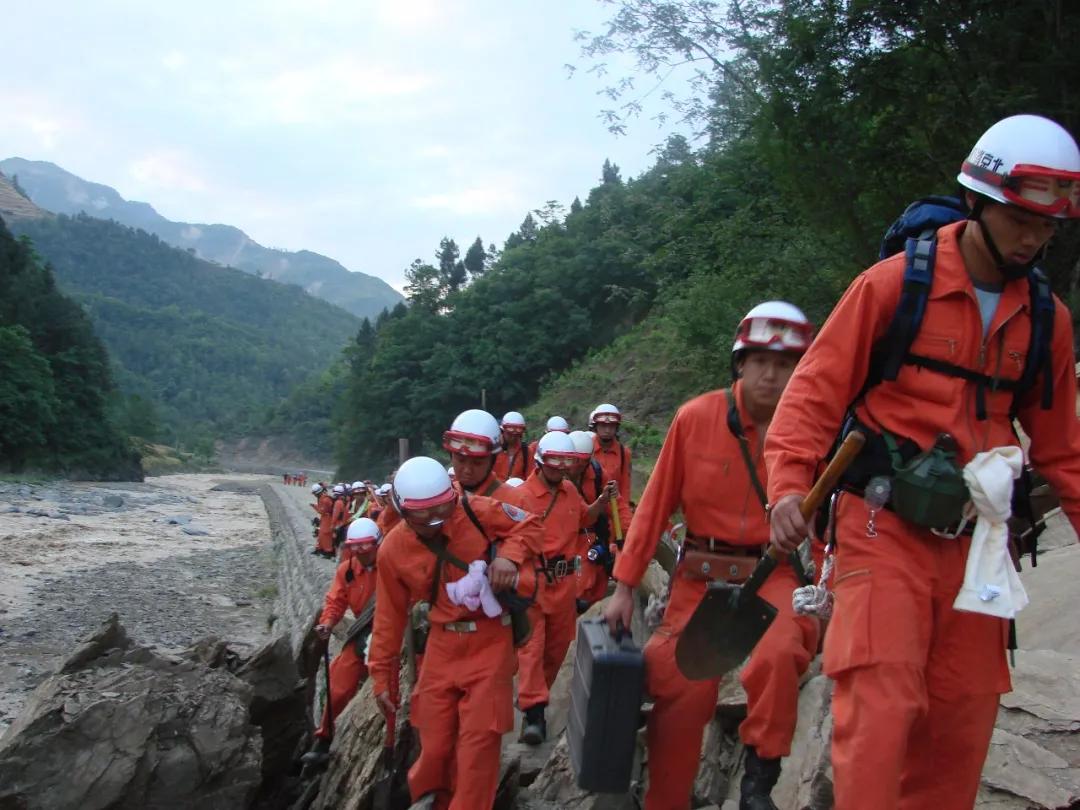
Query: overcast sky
{"points": [[359, 129]]}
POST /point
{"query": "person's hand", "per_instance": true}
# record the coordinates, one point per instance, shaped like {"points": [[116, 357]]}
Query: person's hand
{"points": [[620, 609], [502, 574], [387, 705], [611, 490], [787, 529], [323, 631]]}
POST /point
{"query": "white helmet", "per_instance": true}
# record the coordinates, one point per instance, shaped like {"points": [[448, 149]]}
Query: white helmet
{"points": [[605, 413], [556, 449], [317, 488], [514, 482], [358, 486], [339, 489], [474, 433], [1028, 161], [583, 442], [383, 490], [775, 325], [362, 532], [422, 488], [557, 423], [513, 420]]}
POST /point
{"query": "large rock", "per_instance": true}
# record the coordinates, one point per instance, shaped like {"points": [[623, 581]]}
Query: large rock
{"points": [[119, 726]]}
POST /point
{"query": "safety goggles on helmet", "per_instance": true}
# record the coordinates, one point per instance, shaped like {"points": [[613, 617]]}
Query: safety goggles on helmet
{"points": [[514, 430], [560, 461], [468, 444], [609, 418], [361, 542], [1051, 192], [428, 511], [771, 333]]}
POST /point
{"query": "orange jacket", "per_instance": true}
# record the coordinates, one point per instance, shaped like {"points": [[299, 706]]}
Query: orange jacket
{"points": [[590, 493], [344, 594], [341, 512], [566, 518], [516, 463], [702, 472], [920, 403], [615, 462], [324, 505], [388, 519], [494, 487], [406, 572]]}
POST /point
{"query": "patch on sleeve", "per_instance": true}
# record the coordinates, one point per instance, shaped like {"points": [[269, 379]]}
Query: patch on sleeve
{"points": [[514, 513]]}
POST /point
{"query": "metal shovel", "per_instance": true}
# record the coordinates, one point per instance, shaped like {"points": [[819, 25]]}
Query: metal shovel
{"points": [[731, 619]]}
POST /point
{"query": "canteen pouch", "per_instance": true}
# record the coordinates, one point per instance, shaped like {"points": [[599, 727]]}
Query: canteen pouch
{"points": [[928, 490]]}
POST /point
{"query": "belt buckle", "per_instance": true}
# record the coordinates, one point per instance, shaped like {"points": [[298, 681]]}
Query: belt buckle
{"points": [[559, 569]]}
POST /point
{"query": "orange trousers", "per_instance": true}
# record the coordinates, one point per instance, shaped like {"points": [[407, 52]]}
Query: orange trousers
{"points": [[347, 673], [917, 683], [554, 622], [463, 704], [325, 540], [592, 582], [682, 708]]}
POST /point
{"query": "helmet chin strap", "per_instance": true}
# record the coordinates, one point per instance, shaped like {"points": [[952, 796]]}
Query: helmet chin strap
{"points": [[1011, 271]]}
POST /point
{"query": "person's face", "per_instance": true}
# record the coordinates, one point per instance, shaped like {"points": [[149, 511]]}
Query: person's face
{"points": [[471, 471], [1018, 234], [606, 431], [512, 436], [764, 376], [365, 554], [553, 475]]}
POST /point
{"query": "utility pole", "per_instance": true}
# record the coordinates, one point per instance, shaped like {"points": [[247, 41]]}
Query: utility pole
{"points": [[483, 398], [402, 451]]}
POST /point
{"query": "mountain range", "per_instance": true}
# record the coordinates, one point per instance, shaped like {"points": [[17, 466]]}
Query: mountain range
{"points": [[56, 190]]}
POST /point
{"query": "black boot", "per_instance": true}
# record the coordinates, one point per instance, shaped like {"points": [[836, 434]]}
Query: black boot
{"points": [[319, 754], [533, 725], [759, 778]]}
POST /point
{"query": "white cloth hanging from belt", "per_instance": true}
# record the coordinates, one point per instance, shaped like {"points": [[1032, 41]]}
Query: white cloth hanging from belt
{"points": [[991, 584]]}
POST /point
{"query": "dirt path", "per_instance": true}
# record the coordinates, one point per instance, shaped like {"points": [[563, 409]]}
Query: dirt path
{"points": [[71, 553]]}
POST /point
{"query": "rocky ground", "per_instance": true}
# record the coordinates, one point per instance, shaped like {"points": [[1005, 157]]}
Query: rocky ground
{"points": [[177, 557]]}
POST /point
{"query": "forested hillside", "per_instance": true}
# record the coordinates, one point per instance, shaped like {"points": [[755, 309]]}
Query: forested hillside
{"points": [[817, 130], [61, 192], [209, 351], [55, 385]]}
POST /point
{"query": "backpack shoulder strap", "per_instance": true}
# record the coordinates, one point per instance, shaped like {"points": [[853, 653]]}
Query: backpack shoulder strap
{"points": [[440, 551], [598, 475], [1039, 355], [919, 257], [471, 515], [735, 425]]}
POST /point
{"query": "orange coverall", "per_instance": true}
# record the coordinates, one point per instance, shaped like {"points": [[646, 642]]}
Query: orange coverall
{"points": [[463, 700], [701, 470], [554, 614], [516, 462], [917, 683], [341, 514], [347, 670], [388, 519], [325, 507], [592, 581], [615, 462]]}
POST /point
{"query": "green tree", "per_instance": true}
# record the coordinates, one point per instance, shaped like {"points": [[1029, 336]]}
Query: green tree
{"points": [[475, 260], [28, 402]]}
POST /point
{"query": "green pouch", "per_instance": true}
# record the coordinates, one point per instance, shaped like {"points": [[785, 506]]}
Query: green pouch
{"points": [[928, 490]]}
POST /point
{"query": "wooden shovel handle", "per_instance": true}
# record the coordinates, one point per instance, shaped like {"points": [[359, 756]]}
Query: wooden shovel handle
{"points": [[851, 447]]}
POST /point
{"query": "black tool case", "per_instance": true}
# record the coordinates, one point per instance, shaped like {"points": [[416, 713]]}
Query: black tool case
{"points": [[605, 708]]}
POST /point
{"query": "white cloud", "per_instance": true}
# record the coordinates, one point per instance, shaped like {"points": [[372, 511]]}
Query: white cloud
{"points": [[166, 170], [174, 61], [477, 200]]}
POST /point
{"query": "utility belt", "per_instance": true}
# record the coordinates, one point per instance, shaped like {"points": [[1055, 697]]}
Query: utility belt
{"points": [[473, 625], [923, 487], [709, 558], [557, 567]]}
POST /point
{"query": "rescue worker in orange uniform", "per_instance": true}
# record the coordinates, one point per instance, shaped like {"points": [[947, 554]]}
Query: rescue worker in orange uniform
{"points": [[463, 701], [917, 682], [324, 507], [353, 587], [389, 517], [340, 515], [474, 442], [612, 455], [555, 424], [515, 459], [703, 470], [554, 615], [596, 548]]}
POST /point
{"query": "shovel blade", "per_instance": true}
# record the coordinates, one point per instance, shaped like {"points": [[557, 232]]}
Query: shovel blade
{"points": [[722, 632]]}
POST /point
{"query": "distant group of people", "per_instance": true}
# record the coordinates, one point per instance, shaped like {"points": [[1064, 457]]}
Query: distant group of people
{"points": [[510, 543], [294, 479]]}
